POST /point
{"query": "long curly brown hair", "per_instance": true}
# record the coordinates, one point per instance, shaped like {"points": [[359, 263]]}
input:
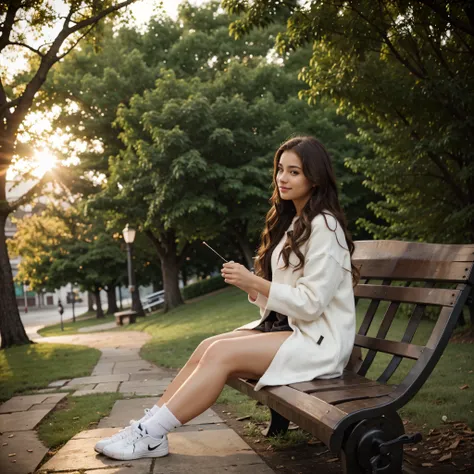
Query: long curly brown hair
{"points": [[318, 169]]}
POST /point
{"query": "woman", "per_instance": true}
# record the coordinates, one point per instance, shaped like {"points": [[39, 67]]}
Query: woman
{"points": [[303, 284]]}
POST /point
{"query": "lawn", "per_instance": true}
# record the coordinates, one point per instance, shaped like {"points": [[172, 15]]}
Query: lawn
{"points": [[34, 366], [176, 334], [73, 415]]}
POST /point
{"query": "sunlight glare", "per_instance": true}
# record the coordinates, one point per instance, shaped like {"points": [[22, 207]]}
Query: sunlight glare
{"points": [[43, 161]]}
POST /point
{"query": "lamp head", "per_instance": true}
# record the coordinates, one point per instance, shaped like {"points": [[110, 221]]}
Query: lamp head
{"points": [[129, 234]]}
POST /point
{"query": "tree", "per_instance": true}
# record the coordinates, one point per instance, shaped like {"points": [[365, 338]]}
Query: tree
{"points": [[17, 99], [404, 71], [62, 246], [195, 155]]}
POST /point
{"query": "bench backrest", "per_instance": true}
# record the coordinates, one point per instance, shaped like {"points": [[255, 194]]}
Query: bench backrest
{"points": [[426, 275]]}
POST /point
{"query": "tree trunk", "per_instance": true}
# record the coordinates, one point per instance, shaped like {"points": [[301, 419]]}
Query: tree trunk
{"points": [[12, 331], [120, 297], [245, 248], [184, 275], [170, 265], [90, 301], [100, 311], [170, 271], [136, 302], [471, 309], [111, 301]]}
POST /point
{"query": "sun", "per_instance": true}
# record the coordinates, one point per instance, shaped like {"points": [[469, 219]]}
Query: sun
{"points": [[43, 161]]}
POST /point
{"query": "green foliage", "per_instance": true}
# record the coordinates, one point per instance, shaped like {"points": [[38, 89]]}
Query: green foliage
{"points": [[62, 246], [34, 366], [404, 73], [203, 287]]}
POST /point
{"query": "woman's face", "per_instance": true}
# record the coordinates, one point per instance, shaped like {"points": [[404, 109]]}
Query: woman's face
{"points": [[292, 183]]}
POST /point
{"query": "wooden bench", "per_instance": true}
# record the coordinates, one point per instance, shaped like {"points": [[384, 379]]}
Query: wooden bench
{"points": [[131, 315], [154, 300], [355, 416]]}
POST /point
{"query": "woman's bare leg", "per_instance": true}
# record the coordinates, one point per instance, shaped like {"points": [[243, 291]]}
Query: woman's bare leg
{"points": [[193, 361], [250, 355]]}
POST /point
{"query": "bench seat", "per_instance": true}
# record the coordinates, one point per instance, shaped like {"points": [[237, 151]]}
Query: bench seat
{"points": [[120, 316], [320, 406], [356, 417]]}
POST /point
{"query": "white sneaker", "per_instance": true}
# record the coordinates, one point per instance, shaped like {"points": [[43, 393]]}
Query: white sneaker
{"points": [[100, 445], [137, 444]]}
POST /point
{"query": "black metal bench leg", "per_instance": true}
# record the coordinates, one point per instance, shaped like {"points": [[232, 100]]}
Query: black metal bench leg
{"points": [[360, 450], [278, 424]]}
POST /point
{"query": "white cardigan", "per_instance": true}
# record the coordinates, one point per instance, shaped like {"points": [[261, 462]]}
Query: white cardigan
{"points": [[319, 302]]}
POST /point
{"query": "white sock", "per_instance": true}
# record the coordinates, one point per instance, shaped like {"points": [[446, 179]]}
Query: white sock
{"points": [[148, 414], [161, 423]]}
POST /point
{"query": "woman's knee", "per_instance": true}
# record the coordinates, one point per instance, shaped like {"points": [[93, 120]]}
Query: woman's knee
{"points": [[199, 351], [202, 348], [216, 353], [205, 344]]}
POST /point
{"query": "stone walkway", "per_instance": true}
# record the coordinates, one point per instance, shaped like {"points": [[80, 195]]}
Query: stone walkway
{"points": [[205, 444], [20, 449]]}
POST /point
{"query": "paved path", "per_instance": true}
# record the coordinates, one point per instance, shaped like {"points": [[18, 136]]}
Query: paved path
{"points": [[204, 445], [36, 318]]}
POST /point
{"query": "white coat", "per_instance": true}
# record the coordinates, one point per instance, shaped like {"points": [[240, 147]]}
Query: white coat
{"points": [[319, 302]]}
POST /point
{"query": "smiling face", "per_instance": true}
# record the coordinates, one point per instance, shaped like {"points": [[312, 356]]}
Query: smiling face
{"points": [[292, 183]]}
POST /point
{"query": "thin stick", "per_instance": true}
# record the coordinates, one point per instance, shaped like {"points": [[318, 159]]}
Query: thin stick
{"points": [[215, 252]]}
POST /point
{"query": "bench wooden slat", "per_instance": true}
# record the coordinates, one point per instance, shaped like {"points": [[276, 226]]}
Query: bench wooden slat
{"points": [[431, 296], [410, 331], [411, 351], [309, 413], [356, 405], [394, 249], [382, 332], [348, 379], [354, 393], [411, 270], [371, 311]]}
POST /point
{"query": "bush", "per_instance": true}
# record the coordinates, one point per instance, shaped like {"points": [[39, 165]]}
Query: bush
{"points": [[203, 287]]}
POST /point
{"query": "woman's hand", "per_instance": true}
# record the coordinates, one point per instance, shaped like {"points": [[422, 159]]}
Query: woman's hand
{"points": [[237, 275]]}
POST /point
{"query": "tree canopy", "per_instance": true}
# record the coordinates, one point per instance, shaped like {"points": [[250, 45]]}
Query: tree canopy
{"points": [[404, 72]]}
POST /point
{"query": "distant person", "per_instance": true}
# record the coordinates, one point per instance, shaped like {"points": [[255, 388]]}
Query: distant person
{"points": [[60, 307], [303, 285]]}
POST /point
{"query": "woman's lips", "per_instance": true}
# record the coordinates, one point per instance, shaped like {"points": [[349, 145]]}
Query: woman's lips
{"points": [[283, 190]]}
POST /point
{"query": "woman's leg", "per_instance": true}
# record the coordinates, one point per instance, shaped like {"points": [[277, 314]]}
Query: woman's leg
{"points": [[194, 359], [182, 376], [247, 356]]}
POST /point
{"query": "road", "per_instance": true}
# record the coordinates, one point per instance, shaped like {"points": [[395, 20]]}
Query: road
{"points": [[35, 319]]}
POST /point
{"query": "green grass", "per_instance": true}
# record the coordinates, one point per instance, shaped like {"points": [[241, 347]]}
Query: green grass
{"points": [[34, 366], [177, 333], [84, 320], [76, 414]]}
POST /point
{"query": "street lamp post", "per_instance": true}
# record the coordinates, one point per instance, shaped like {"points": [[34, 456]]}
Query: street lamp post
{"points": [[129, 237], [25, 296], [73, 296]]}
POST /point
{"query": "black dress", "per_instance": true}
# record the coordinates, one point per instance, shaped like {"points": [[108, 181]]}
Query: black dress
{"points": [[274, 322]]}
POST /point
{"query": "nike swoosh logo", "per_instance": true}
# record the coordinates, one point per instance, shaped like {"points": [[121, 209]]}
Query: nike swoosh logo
{"points": [[152, 449]]}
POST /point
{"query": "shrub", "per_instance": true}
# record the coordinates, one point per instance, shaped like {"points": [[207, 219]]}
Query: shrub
{"points": [[203, 287]]}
